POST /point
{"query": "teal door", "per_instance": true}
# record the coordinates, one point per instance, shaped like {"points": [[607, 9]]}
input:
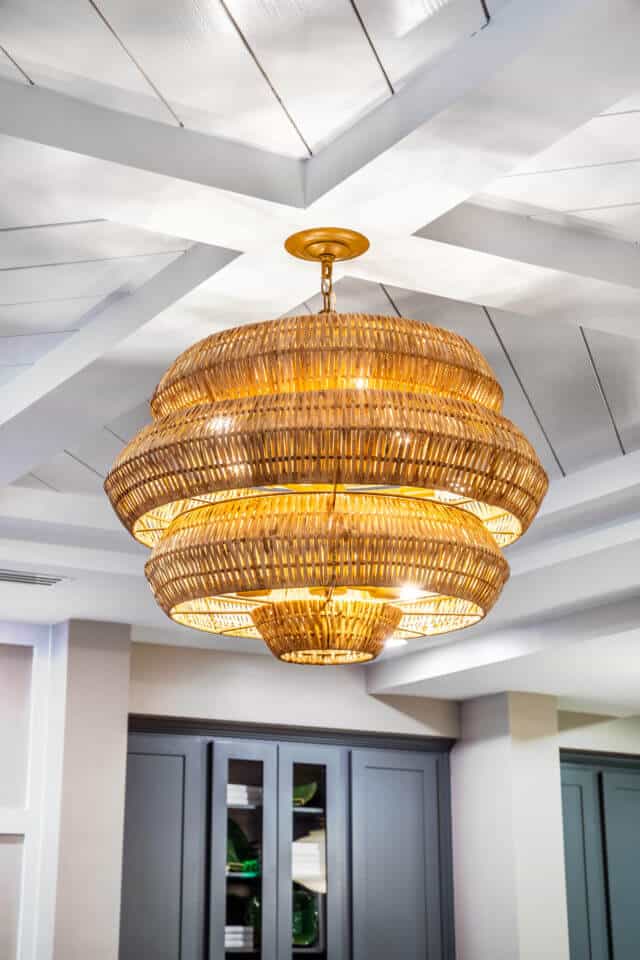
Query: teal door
{"points": [[621, 795]]}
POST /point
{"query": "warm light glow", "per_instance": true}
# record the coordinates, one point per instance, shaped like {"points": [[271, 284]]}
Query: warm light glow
{"points": [[409, 592], [333, 483]]}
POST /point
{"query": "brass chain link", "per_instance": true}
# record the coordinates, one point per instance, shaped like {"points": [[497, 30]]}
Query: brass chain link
{"points": [[326, 285]]}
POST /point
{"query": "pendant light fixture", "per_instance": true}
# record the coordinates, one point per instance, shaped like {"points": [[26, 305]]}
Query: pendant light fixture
{"points": [[328, 481]]}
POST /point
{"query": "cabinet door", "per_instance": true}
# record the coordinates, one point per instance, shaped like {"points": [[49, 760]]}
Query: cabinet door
{"points": [[243, 850], [621, 792], [396, 856], [586, 902], [163, 874], [312, 852]]}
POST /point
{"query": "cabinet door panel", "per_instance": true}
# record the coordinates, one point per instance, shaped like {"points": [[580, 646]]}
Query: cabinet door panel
{"points": [[584, 865], [243, 850], [162, 915], [312, 852], [621, 792], [396, 857]]}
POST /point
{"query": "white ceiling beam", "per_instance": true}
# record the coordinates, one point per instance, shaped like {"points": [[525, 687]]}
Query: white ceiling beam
{"points": [[570, 247], [461, 107], [43, 507], [560, 549], [410, 674], [459, 273], [68, 561], [619, 477], [54, 402], [57, 120], [535, 73]]}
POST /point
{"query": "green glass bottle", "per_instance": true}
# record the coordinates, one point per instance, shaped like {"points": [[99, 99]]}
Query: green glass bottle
{"points": [[306, 919]]}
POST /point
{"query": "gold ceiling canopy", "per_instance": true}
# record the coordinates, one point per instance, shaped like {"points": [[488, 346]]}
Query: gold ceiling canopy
{"points": [[328, 481]]}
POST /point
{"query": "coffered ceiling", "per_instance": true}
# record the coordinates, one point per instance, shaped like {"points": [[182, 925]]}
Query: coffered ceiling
{"points": [[155, 157]]}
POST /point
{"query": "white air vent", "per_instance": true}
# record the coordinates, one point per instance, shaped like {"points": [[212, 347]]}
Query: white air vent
{"points": [[33, 579]]}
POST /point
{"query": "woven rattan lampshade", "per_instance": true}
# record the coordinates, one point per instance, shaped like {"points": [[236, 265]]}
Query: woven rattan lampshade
{"points": [[328, 481]]}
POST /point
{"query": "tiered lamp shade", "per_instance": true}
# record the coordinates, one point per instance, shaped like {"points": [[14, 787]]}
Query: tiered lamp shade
{"points": [[327, 482]]}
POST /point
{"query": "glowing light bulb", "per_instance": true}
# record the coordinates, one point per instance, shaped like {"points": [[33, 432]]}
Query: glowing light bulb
{"points": [[409, 593]]}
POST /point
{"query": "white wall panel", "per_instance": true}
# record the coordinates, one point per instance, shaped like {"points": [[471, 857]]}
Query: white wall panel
{"points": [[196, 58], [10, 880], [15, 703]]}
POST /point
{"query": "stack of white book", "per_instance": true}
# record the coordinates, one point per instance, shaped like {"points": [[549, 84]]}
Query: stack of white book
{"points": [[307, 862], [240, 795], [238, 938]]}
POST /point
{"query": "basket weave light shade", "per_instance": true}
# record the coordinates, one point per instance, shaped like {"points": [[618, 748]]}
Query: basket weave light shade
{"points": [[326, 482]]}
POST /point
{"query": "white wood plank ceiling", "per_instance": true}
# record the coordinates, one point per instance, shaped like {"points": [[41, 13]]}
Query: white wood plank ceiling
{"points": [[156, 155]]}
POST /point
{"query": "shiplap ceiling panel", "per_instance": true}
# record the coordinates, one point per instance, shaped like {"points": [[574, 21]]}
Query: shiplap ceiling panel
{"points": [[554, 366], [8, 373], [618, 362], [59, 243], [93, 279], [574, 190], [67, 47], [65, 473], [357, 296], [29, 348], [625, 106], [44, 316], [196, 58], [318, 58], [409, 33], [623, 220], [9, 69], [471, 322], [126, 426], [98, 451], [31, 482], [609, 138]]}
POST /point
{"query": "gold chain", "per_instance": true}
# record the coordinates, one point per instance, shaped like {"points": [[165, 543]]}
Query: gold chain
{"points": [[326, 285]]}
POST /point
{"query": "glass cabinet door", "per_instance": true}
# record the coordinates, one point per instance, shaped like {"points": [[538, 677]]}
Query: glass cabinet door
{"points": [[243, 851], [312, 853]]}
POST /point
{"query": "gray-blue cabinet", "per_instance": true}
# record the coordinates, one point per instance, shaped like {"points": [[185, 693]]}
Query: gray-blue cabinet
{"points": [[601, 810], [270, 848]]}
